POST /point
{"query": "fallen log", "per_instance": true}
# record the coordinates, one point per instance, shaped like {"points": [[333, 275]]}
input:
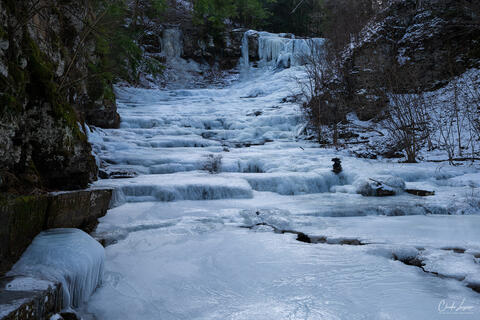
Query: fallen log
{"points": [[456, 159], [420, 193]]}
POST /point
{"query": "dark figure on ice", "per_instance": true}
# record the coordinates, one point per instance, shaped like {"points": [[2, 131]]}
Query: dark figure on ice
{"points": [[337, 165]]}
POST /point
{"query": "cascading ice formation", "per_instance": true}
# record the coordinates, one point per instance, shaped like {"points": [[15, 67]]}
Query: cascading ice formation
{"points": [[245, 63], [171, 41], [280, 50], [68, 256]]}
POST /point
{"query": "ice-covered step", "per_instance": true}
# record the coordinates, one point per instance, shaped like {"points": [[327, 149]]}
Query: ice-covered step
{"points": [[185, 121], [175, 187], [176, 142], [156, 141], [277, 121], [294, 183], [152, 132], [157, 161]]}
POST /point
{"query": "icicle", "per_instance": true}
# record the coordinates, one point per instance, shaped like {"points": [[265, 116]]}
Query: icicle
{"points": [[281, 52], [245, 54]]}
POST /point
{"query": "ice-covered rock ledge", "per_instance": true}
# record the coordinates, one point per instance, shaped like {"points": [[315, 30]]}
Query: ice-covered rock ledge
{"points": [[59, 270], [23, 218]]}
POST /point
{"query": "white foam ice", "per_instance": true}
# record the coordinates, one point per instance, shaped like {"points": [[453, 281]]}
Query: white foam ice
{"points": [[68, 256]]}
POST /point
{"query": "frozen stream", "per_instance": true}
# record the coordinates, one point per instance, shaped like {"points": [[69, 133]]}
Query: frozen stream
{"points": [[178, 243]]}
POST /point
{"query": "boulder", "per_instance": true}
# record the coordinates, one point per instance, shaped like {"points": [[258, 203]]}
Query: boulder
{"points": [[382, 186]]}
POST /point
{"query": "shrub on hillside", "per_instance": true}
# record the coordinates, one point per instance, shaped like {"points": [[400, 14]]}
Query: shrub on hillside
{"points": [[213, 163]]}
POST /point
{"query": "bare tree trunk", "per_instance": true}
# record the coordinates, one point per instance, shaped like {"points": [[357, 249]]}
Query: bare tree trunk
{"points": [[457, 118]]}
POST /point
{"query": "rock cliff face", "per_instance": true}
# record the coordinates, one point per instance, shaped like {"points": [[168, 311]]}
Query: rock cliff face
{"points": [[411, 45], [48, 91], [197, 44]]}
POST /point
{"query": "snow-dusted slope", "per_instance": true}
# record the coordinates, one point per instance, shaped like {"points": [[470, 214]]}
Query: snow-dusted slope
{"points": [[186, 244]]}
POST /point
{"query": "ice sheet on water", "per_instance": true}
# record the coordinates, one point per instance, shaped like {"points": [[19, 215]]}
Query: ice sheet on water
{"points": [[406, 231], [461, 266], [68, 256], [239, 274]]}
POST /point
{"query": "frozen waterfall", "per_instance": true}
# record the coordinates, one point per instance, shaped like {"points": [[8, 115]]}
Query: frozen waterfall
{"points": [[245, 61], [172, 43], [183, 243], [68, 256], [280, 50]]}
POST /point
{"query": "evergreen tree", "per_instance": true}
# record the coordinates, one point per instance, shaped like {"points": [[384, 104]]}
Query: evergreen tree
{"points": [[301, 17], [212, 14], [254, 13], [118, 38]]}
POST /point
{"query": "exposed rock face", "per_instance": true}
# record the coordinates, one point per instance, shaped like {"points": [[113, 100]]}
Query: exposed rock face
{"points": [[27, 301], [411, 45], [199, 44], [205, 49], [23, 218], [47, 92]]}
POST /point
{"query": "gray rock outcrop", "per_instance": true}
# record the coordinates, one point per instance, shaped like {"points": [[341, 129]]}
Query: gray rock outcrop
{"points": [[48, 92], [410, 46]]}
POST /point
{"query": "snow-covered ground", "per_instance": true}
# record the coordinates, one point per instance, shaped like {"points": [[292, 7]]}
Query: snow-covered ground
{"points": [[186, 244]]}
